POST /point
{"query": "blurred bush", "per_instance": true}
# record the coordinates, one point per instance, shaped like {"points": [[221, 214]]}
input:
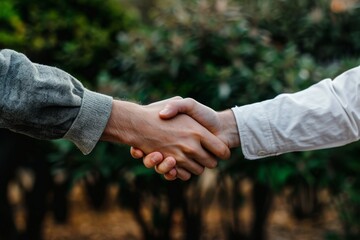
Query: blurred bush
{"points": [[326, 29], [78, 36], [221, 53], [225, 53]]}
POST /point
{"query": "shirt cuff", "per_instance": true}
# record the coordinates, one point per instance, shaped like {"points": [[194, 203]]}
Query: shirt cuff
{"points": [[91, 121], [255, 131]]}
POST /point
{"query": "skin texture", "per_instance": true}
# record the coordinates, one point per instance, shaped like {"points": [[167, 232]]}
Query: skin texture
{"points": [[181, 138], [222, 124]]}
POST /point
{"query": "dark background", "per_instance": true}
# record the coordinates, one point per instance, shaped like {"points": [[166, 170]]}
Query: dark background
{"points": [[221, 53]]}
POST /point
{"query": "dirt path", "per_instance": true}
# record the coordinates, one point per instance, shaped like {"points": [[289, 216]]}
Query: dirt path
{"points": [[116, 223]]}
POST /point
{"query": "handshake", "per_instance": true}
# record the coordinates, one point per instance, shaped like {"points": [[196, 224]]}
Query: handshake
{"points": [[178, 137]]}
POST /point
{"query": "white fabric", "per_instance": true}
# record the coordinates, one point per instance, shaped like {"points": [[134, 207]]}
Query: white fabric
{"points": [[324, 115]]}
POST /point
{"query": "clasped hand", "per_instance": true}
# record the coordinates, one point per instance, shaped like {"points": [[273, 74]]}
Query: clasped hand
{"points": [[198, 140]]}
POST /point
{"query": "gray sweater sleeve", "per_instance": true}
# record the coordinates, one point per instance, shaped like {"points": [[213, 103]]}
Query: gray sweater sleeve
{"points": [[47, 103]]}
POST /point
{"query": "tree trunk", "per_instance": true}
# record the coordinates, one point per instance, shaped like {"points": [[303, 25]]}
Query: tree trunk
{"points": [[262, 199]]}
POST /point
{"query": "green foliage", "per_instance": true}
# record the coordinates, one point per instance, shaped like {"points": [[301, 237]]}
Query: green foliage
{"points": [[326, 29], [222, 57], [219, 54], [77, 36], [229, 61], [80, 37]]}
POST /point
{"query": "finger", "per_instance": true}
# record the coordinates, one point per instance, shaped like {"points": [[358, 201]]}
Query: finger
{"points": [[166, 166], [183, 174], [190, 165], [215, 145], [153, 159], [171, 175], [136, 153], [205, 159]]}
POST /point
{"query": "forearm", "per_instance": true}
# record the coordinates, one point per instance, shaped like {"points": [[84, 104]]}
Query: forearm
{"points": [[325, 115], [47, 103]]}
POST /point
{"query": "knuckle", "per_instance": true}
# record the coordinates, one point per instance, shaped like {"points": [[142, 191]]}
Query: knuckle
{"points": [[177, 98], [190, 101], [189, 150]]}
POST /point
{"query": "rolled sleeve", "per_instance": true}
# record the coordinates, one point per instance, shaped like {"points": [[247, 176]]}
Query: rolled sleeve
{"points": [[91, 121]]}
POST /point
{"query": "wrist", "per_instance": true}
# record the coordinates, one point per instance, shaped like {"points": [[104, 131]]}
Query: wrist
{"points": [[229, 128], [122, 126]]}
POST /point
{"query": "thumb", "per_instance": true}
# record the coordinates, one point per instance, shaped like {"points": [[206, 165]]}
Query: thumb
{"points": [[175, 107], [169, 111]]}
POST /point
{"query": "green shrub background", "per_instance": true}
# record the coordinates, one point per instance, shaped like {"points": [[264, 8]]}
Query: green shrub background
{"points": [[221, 53]]}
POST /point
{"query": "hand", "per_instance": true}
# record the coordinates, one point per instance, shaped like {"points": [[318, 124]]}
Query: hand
{"points": [[182, 138], [222, 124]]}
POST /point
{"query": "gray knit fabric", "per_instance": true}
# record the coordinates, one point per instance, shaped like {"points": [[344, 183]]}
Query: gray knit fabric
{"points": [[47, 103]]}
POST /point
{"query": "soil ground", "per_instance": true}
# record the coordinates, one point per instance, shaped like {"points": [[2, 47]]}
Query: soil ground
{"points": [[115, 223]]}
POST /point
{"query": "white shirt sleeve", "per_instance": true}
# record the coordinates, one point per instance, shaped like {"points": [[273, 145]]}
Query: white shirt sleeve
{"points": [[324, 115]]}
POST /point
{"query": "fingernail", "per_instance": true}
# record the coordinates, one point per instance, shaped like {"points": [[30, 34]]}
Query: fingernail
{"points": [[164, 111], [154, 159]]}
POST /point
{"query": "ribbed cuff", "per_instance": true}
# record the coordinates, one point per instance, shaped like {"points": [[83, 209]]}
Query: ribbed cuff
{"points": [[91, 121]]}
